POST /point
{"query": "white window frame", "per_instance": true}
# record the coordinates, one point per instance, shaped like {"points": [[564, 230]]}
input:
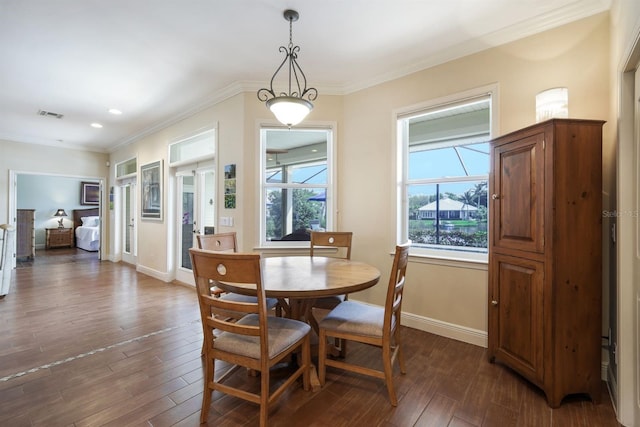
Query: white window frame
{"points": [[131, 163], [197, 147], [329, 187], [402, 166]]}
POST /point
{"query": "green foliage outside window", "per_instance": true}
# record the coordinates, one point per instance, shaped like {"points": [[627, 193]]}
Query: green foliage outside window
{"points": [[304, 211]]}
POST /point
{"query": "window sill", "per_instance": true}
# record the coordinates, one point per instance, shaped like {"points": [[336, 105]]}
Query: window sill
{"points": [[480, 263], [282, 250]]}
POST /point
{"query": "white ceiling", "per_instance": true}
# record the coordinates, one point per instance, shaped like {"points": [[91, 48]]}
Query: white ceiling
{"points": [[160, 60]]}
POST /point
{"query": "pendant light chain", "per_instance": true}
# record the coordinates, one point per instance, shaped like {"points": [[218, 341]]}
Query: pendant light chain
{"points": [[290, 33], [291, 55]]}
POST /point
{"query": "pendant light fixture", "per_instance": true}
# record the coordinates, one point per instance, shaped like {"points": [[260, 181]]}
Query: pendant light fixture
{"points": [[290, 107]]}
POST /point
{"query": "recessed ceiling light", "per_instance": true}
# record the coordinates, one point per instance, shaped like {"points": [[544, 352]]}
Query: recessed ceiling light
{"points": [[115, 111], [96, 125]]}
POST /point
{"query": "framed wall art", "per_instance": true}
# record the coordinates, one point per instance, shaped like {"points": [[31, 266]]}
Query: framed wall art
{"points": [[89, 193], [151, 176], [230, 186]]}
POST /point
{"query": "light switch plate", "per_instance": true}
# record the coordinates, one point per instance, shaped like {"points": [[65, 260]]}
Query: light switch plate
{"points": [[226, 221]]}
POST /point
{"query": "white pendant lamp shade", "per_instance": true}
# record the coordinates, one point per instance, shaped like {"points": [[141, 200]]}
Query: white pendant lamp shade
{"points": [[289, 110]]}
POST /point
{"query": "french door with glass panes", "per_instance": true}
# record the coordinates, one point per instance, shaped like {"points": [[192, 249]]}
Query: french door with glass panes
{"points": [[128, 229], [196, 214]]}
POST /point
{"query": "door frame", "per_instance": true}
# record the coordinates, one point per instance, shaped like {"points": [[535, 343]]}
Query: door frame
{"points": [[626, 384], [131, 258], [13, 200], [182, 274]]}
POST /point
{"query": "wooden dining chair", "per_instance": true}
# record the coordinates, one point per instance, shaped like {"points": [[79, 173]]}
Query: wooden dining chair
{"points": [[220, 242], [341, 240], [227, 242], [377, 326], [255, 341]]}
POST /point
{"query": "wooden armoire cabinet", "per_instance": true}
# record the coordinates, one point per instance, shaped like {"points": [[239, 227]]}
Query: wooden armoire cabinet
{"points": [[25, 234], [545, 257]]}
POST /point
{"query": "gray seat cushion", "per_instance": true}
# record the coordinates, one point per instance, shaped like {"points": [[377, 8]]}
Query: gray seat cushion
{"points": [[355, 318], [230, 296], [283, 333]]}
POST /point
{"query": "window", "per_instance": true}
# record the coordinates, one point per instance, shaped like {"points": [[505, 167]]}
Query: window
{"points": [[127, 168], [200, 146], [296, 191], [444, 177]]}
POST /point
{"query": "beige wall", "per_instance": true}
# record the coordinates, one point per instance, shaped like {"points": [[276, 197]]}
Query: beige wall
{"points": [[155, 238], [447, 298]]}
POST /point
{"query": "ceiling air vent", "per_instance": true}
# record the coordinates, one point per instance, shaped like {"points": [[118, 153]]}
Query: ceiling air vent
{"points": [[50, 114]]}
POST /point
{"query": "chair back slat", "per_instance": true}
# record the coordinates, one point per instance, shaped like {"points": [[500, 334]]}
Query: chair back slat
{"points": [[393, 305], [333, 239], [228, 325], [220, 242]]}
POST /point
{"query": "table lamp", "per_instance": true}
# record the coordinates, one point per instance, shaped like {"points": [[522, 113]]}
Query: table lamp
{"points": [[60, 213]]}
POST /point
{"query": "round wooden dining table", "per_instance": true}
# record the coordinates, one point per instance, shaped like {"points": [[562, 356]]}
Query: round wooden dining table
{"points": [[305, 277]]}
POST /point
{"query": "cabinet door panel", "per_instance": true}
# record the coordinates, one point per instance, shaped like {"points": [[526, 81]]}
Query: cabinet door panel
{"points": [[518, 194], [516, 314]]}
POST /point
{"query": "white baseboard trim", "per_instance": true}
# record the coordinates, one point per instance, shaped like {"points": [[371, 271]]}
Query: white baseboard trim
{"points": [[154, 273], [445, 329]]}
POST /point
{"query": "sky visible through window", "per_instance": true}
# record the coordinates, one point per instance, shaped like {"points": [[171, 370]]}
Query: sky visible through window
{"points": [[316, 174], [444, 162]]}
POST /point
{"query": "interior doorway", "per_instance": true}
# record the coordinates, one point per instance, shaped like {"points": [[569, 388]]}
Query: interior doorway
{"points": [[46, 194]]}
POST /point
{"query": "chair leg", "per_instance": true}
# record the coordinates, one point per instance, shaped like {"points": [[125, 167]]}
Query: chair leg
{"points": [[388, 374], [264, 396], [306, 360], [322, 354], [403, 370], [206, 395], [342, 343], [283, 309]]}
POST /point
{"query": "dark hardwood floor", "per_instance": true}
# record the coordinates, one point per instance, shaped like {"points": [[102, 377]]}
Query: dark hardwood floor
{"points": [[90, 343]]}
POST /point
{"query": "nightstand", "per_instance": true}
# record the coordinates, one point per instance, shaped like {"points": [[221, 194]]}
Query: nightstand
{"points": [[59, 237]]}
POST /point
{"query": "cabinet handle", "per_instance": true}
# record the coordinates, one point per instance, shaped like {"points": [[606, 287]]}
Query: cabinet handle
{"points": [[494, 196], [494, 302]]}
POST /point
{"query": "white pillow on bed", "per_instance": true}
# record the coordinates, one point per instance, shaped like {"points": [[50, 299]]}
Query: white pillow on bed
{"points": [[90, 221]]}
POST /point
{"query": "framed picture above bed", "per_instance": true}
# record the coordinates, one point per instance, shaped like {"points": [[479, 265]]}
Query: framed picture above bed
{"points": [[89, 193], [152, 190]]}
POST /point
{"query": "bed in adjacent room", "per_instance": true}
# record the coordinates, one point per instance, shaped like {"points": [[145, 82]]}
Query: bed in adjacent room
{"points": [[86, 224]]}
